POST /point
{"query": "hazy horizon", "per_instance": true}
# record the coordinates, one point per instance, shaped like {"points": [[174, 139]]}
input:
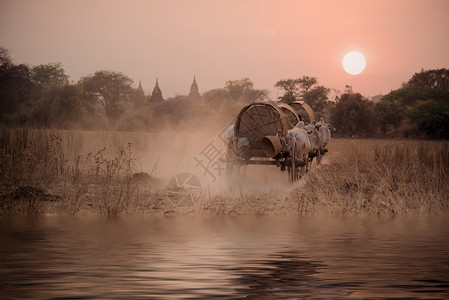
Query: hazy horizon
{"points": [[221, 40]]}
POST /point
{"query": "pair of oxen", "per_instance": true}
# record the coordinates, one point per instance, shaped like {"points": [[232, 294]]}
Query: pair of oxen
{"points": [[311, 140]]}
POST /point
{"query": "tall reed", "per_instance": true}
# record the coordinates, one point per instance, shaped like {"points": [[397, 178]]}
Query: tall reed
{"points": [[54, 160]]}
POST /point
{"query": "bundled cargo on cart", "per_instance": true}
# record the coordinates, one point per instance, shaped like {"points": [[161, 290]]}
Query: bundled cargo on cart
{"points": [[263, 134]]}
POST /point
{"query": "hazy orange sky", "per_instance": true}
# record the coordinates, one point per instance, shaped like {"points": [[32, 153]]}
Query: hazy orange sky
{"points": [[218, 40]]}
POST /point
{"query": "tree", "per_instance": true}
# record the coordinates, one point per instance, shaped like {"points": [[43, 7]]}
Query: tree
{"points": [[306, 82], [432, 117], [216, 97], [435, 79], [317, 97], [408, 96], [423, 100], [290, 88], [389, 114], [305, 88], [5, 59], [243, 90], [16, 87], [61, 107], [49, 75], [354, 115], [110, 89]]}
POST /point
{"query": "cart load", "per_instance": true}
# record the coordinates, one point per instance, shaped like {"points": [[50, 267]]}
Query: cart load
{"points": [[260, 136], [275, 134], [304, 110], [256, 121]]}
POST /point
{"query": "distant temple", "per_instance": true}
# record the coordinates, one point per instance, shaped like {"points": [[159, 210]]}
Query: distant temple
{"points": [[140, 92], [194, 92], [156, 96]]}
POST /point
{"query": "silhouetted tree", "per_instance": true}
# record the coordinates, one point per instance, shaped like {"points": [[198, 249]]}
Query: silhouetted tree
{"points": [[424, 100], [5, 59], [62, 107], [435, 79], [214, 98], [243, 90], [111, 89], [389, 114], [290, 88], [432, 117], [307, 82], [49, 75], [408, 96], [354, 115], [317, 97], [305, 88], [16, 87]]}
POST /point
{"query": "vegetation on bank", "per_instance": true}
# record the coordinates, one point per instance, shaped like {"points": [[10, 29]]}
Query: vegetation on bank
{"points": [[43, 97], [378, 177], [64, 172], [42, 171]]}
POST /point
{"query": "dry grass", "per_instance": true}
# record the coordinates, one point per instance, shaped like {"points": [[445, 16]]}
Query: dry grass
{"points": [[74, 172], [40, 163], [377, 177]]}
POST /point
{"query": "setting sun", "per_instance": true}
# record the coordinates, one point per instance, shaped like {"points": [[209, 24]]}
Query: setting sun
{"points": [[354, 62]]}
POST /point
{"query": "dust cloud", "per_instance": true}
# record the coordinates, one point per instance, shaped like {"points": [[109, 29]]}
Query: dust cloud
{"points": [[167, 153], [195, 146]]}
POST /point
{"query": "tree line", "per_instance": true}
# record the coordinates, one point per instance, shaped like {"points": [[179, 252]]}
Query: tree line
{"points": [[419, 108], [43, 96]]}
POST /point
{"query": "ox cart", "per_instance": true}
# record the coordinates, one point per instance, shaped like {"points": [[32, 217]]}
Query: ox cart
{"points": [[259, 137]]}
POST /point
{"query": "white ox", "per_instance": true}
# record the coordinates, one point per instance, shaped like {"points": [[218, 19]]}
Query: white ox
{"points": [[325, 131], [315, 141], [299, 135], [319, 135]]}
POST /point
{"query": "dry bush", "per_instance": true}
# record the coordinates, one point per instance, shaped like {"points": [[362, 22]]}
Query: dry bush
{"points": [[114, 191], [54, 160]]}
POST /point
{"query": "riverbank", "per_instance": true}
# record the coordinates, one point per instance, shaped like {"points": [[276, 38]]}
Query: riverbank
{"points": [[109, 173]]}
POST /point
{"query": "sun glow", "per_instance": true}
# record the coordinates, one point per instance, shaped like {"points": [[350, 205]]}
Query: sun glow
{"points": [[354, 62]]}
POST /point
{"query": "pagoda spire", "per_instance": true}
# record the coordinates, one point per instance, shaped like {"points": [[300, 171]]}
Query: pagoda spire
{"points": [[156, 96], [194, 91], [140, 89]]}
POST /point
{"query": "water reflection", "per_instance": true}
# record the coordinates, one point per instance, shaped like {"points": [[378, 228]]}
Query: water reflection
{"points": [[212, 257], [282, 275]]}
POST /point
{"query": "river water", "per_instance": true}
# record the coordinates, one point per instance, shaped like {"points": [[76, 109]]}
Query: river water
{"points": [[147, 257]]}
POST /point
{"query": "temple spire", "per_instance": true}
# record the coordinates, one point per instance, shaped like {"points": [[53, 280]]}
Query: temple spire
{"points": [[156, 96], [194, 91], [140, 90]]}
